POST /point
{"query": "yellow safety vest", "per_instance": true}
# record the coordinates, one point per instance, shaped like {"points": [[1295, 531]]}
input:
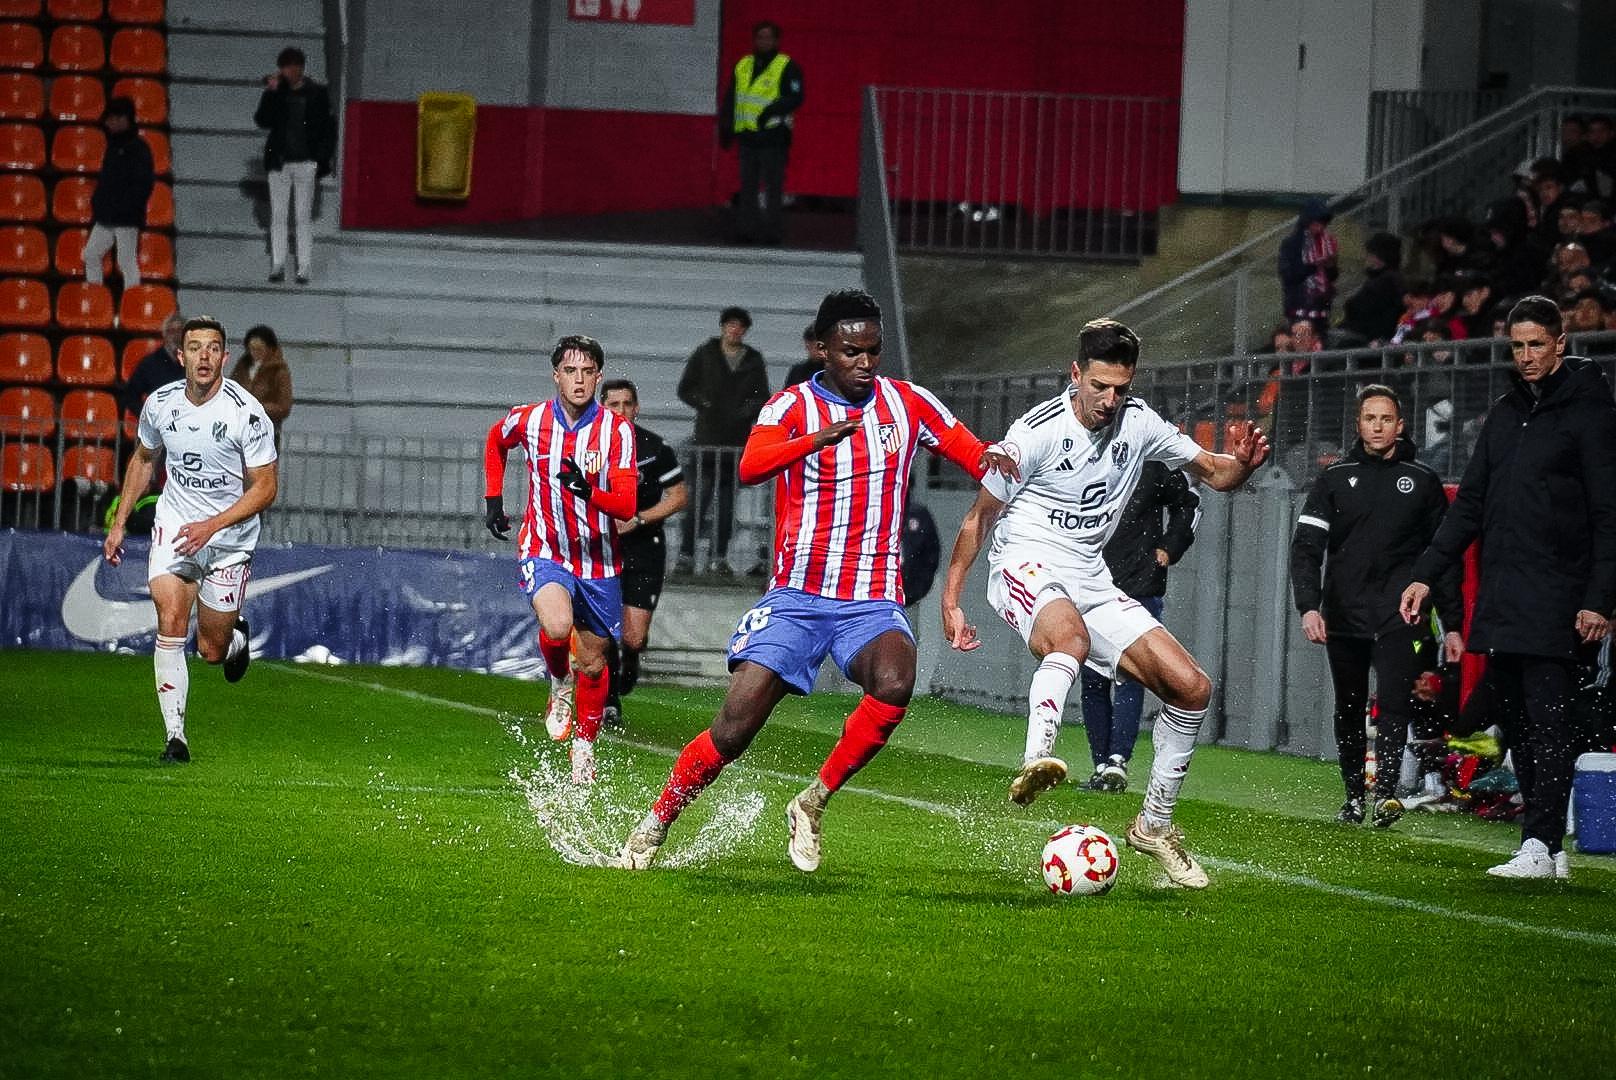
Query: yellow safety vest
{"points": [[752, 96]]}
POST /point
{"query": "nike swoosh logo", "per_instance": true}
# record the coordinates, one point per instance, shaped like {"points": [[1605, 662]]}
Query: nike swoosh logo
{"points": [[89, 616]]}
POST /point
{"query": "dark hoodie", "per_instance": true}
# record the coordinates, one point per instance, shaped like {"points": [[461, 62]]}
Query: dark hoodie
{"points": [[1372, 516], [1294, 271], [1517, 263], [1540, 495]]}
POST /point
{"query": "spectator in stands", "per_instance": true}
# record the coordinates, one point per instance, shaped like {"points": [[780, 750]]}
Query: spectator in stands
{"points": [[296, 111], [1369, 316], [726, 382], [1475, 315], [813, 361], [763, 94], [1417, 293], [1568, 260], [118, 206], [1516, 267], [157, 368], [1548, 186], [1584, 312], [1307, 266], [1601, 175], [1138, 555], [1595, 232], [263, 370], [1573, 145], [1569, 223], [1455, 246]]}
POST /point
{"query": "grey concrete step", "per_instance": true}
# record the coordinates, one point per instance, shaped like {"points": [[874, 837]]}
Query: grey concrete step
{"points": [[247, 57], [213, 107], [218, 157], [284, 16], [240, 209]]}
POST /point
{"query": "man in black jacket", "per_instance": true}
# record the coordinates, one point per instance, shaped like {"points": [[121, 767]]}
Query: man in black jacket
{"points": [[1138, 555], [764, 92], [296, 111], [1540, 494], [1372, 513], [124, 186]]}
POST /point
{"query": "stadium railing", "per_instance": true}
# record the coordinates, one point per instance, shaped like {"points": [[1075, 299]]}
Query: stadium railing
{"points": [[1404, 122], [55, 479]]}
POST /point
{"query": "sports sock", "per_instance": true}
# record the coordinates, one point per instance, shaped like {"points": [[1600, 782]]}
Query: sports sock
{"points": [[557, 654], [628, 671], [698, 765], [1046, 700], [866, 731], [591, 703], [1174, 740], [173, 683]]}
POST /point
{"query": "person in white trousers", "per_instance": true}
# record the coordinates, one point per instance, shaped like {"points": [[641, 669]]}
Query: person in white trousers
{"points": [[124, 186], [296, 111]]}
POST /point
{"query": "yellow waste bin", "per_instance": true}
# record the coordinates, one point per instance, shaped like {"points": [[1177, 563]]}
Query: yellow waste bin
{"points": [[445, 131]]}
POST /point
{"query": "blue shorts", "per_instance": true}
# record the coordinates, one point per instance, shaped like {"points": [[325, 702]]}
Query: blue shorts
{"points": [[790, 632], [597, 603]]}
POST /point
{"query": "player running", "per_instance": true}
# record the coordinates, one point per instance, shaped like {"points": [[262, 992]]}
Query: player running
{"points": [[1080, 457], [219, 449], [580, 468], [841, 448]]}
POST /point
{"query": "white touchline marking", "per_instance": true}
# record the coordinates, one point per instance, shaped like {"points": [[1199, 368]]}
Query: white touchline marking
{"points": [[1246, 869]]}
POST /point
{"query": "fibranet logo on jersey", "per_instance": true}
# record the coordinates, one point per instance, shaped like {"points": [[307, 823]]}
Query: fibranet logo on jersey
{"points": [[1073, 521]]}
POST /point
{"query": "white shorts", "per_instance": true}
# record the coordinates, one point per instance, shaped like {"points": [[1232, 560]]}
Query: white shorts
{"points": [[1020, 590], [222, 573]]}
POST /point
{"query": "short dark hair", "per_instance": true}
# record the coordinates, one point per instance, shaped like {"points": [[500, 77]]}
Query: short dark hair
{"points": [[1375, 390], [1590, 293], [1536, 309], [735, 314], [1547, 168], [291, 55], [262, 333], [202, 322], [809, 333], [582, 344], [613, 385], [1417, 287], [1597, 207], [841, 305], [765, 24], [120, 105], [1108, 341]]}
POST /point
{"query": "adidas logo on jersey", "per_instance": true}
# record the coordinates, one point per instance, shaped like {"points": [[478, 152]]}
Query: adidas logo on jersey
{"points": [[1065, 465]]}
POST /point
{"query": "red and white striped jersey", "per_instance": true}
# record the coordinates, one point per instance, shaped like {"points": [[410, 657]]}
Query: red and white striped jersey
{"points": [[558, 525], [839, 512]]}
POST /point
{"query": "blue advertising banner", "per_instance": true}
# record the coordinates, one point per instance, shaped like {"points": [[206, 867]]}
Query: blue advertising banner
{"points": [[327, 604]]}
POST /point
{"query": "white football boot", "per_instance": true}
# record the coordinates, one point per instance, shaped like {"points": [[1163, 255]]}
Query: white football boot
{"points": [[1036, 777], [641, 847], [558, 719], [1531, 861], [803, 814], [1167, 848], [583, 762]]}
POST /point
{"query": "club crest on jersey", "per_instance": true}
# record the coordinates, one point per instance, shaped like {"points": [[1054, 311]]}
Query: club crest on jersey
{"points": [[1066, 446], [1119, 454], [888, 434], [219, 430], [591, 461], [1405, 484]]}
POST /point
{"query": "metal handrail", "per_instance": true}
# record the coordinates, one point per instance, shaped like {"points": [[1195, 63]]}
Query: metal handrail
{"points": [[877, 238]]}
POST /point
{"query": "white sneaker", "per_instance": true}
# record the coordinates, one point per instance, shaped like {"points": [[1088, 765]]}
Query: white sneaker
{"points": [[1562, 865], [641, 847], [1114, 773], [1531, 861], [558, 719], [802, 829], [583, 762], [1036, 777], [1167, 849]]}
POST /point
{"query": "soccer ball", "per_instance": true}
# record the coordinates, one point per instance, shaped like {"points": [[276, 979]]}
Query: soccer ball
{"points": [[1080, 860]]}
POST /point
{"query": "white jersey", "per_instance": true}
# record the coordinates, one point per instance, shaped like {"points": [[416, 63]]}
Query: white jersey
{"points": [[207, 450], [1075, 482]]}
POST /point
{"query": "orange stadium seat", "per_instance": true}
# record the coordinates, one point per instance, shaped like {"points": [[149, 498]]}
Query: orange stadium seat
{"points": [[74, 10], [150, 98], [24, 358], [78, 148], [145, 307], [134, 351], [22, 197], [156, 255], [70, 200], [24, 302], [86, 360], [93, 464], [22, 146], [22, 96], [160, 210], [77, 97], [89, 414], [69, 260], [77, 48], [23, 250], [27, 467], [21, 46], [138, 12], [79, 306], [161, 163], [139, 52], [28, 412], [20, 9]]}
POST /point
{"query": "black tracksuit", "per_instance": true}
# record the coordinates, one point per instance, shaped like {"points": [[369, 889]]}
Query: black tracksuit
{"points": [[1372, 516], [1131, 554], [1540, 495]]}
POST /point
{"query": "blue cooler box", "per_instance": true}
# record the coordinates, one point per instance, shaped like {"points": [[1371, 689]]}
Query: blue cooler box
{"points": [[1593, 802]]}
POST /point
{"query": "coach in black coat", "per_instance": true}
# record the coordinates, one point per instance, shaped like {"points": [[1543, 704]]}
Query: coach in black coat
{"points": [[1134, 554], [1540, 494]]}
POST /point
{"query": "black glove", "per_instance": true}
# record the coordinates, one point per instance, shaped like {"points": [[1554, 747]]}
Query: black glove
{"points": [[497, 522], [572, 478]]}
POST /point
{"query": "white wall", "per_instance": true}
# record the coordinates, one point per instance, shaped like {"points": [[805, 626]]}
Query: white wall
{"points": [[668, 69], [402, 48]]}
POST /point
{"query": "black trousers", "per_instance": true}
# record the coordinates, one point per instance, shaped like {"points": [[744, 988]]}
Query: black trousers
{"points": [[1533, 697], [714, 472], [762, 165], [1396, 664]]}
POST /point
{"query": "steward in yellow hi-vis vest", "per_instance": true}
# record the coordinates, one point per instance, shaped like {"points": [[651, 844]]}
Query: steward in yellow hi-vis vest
{"points": [[763, 93]]}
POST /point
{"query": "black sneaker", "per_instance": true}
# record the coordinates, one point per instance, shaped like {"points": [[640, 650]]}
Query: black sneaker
{"points": [[277, 276], [1095, 782], [612, 715], [1351, 812], [175, 753], [1387, 811], [236, 666], [302, 278]]}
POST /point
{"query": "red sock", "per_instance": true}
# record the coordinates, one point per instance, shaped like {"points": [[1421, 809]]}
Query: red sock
{"points": [[557, 654], [699, 765], [867, 730], [591, 699]]}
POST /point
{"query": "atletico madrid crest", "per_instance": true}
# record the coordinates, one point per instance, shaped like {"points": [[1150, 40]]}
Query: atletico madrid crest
{"points": [[591, 461], [888, 434]]}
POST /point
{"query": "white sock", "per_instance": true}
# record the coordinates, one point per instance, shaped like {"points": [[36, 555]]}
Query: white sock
{"points": [[238, 641], [1174, 740], [1046, 700], [173, 683]]}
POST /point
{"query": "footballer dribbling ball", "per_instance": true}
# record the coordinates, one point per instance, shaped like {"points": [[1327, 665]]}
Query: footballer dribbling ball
{"points": [[1080, 860]]}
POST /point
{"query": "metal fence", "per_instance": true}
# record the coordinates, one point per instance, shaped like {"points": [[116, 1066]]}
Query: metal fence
{"points": [[57, 476], [1402, 123], [985, 172]]}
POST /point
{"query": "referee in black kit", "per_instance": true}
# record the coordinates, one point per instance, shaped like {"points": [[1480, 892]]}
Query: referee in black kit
{"points": [[1540, 495], [662, 493], [1365, 521]]}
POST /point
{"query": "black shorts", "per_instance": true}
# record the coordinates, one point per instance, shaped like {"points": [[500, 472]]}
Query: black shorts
{"points": [[643, 573]]}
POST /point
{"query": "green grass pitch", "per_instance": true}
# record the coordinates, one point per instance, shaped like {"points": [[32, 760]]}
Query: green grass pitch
{"points": [[352, 879]]}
